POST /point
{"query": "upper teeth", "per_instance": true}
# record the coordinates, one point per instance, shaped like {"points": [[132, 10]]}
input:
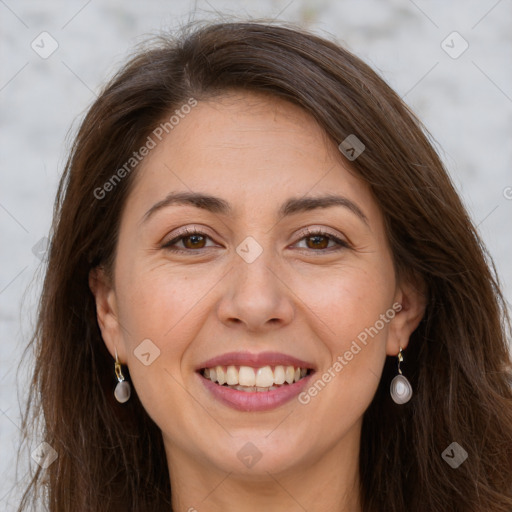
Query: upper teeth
{"points": [[263, 377]]}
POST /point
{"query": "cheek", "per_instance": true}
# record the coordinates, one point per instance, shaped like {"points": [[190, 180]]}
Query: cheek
{"points": [[159, 317], [158, 302], [159, 314], [347, 300], [353, 308]]}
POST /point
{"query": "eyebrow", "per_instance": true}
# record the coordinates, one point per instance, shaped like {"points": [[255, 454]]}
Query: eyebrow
{"points": [[220, 206]]}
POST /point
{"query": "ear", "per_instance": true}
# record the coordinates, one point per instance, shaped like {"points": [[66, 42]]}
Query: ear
{"points": [[106, 310], [411, 294]]}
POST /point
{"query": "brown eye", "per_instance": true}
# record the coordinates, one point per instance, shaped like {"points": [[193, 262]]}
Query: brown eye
{"points": [[317, 242], [188, 241], [322, 242], [194, 241]]}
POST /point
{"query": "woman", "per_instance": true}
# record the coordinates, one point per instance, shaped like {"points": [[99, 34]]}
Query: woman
{"points": [[264, 293]]}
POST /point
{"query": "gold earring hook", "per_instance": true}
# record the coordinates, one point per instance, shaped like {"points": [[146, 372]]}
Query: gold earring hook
{"points": [[117, 366], [400, 359]]}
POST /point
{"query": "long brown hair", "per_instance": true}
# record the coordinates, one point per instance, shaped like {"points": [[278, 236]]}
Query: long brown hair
{"points": [[111, 457]]}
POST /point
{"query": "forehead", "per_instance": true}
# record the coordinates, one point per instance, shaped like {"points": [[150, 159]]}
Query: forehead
{"points": [[235, 126], [252, 149]]}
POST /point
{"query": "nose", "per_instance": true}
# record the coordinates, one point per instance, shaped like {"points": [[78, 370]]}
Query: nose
{"points": [[255, 297]]}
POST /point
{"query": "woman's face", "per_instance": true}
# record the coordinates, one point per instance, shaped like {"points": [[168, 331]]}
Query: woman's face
{"points": [[290, 267]]}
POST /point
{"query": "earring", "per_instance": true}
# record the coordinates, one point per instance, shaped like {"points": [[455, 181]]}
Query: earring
{"points": [[401, 389], [123, 389]]}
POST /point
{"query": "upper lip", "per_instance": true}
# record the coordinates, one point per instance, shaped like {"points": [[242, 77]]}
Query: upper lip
{"points": [[256, 360]]}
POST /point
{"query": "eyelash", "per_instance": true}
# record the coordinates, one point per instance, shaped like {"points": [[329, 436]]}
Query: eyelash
{"points": [[342, 244]]}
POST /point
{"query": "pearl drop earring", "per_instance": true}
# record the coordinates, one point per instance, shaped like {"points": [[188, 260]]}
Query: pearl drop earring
{"points": [[123, 389], [401, 389]]}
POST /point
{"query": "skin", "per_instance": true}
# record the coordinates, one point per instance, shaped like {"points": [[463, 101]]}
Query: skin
{"points": [[301, 297]]}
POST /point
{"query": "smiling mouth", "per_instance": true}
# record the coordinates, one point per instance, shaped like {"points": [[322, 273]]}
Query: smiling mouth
{"points": [[255, 379]]}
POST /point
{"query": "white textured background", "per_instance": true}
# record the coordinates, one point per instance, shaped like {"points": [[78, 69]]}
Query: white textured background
{"points": [[466, 103]]}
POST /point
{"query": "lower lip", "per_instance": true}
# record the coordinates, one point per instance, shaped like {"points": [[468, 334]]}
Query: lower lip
{"points": [[255, 400]]}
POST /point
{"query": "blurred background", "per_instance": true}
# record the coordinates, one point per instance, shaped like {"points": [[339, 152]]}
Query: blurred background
{"points": [[450, 61]]}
